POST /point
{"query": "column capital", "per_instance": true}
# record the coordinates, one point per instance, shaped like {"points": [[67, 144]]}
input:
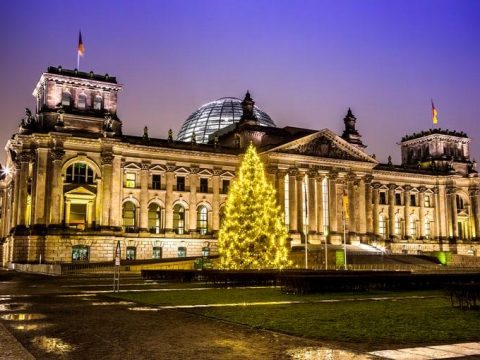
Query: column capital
{"points": [[217, 172], [376, 185], [25, 156], [474, 191], [312, 174], [194, 170], [292, 172], [368, 178], [350, 177], [407, 188], [170, 167], [57, 154], [333, 174], [422, 189], [392, 186], [451, 190]]}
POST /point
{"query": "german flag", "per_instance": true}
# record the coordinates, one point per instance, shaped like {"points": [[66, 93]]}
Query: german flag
{"points": [[434, 114], [81, 47]]}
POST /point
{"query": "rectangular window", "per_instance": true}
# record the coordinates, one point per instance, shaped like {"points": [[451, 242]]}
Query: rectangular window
{"points": [[156, 181], [157, 252], [203, 185], [225, 186], [427, 201], [398, 199], [180, 183], [383, 198], [78, 214], [130, 180], [413, 200], [80, 253], [182, 251], [131, 252]]}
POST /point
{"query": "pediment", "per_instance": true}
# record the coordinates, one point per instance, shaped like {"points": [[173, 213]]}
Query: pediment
{"points": [[76, 190], [325, 144]]}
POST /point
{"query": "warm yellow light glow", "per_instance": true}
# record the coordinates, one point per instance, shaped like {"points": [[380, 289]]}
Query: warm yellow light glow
{"points": [[253, 234]]}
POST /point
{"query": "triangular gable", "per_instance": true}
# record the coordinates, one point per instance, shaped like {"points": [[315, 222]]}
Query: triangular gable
{"points": [[132, 166], [81, 190], [182, 170], [205, 172], [227, 174], [157, 167], [324, 143]]}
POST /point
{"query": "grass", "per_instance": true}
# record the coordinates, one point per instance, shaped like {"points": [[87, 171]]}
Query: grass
{"points": [[373, 323]]}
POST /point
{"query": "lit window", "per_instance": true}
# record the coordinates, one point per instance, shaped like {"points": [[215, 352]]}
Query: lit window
{"points": [[154, 218], [427, 201], [203, 185], [129, 216], [325, 205], [80, 253], [130, 180], [412, 226], [180, 183], [398, 227], [156, 181], [131, 253], [382, 226], [202, 220], [182, 251], [79, 173], [78, 215], [157, 252], [427, 227], [179, 219], [398, 199]]}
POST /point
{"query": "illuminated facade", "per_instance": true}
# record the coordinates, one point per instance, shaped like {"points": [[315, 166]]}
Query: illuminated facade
{"points": [[74, 184]]}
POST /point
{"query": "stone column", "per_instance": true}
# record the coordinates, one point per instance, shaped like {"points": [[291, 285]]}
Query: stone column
{"points": [[192, 204], [300, 202], [361, 207], [39, 187], [281, 190], [443, 220], [333, 183], [56, 193], [320, 209], [107, 207], [170, 177], [67, 212], [376, 200], [116, 193], [144, 180], [406, 208], [22, 170], [474, 200], [312, 202], [368, 204], [421, 217], [453, 211], [391, 209], [292, 200], [216, 199]]}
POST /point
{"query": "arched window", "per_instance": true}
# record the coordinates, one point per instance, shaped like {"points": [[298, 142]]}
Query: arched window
{"points": [[179, 219], [412, 227], [79, 173], [325, 206], [427, 228], [202, 220], [97, 102], [398, 225], [154, 218], [460, 202], [129, 213], [382, 226], [66, 98], [82, 101]]}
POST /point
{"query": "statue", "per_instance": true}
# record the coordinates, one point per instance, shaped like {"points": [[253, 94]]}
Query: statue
{"points": [[108, 123], [215, 141], [145, 133], [170, 135]]}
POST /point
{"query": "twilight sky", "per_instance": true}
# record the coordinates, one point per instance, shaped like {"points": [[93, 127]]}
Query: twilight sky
{"points": [[305, 62]]}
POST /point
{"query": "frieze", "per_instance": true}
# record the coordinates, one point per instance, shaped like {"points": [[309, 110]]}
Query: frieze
{"points": [[322, 147]]}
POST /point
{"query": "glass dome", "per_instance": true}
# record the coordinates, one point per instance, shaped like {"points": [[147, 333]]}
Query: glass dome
{"points": [[217, 115]]}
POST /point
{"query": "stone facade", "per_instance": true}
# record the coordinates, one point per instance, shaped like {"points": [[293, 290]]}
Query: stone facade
{"points": [[74, 185]]}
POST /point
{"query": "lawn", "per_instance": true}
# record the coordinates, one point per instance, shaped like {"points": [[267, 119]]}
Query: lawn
{"points": [[399, 319]]}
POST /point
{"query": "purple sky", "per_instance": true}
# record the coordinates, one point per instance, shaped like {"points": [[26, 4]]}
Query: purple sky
{"points": [[305, 62]]}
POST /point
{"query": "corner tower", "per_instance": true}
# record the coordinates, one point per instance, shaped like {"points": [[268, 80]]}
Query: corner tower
{"points": [[350, 134], [74, 101]]}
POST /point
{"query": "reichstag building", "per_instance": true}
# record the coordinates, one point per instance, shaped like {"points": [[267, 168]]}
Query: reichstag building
{"points": [[74, 184]]}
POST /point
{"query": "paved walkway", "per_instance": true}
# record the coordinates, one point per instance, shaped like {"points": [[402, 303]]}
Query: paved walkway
{"points": [[432, 352]]}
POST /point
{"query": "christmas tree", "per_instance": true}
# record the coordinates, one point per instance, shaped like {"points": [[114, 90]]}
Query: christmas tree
{"points": [[253, 234]]}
